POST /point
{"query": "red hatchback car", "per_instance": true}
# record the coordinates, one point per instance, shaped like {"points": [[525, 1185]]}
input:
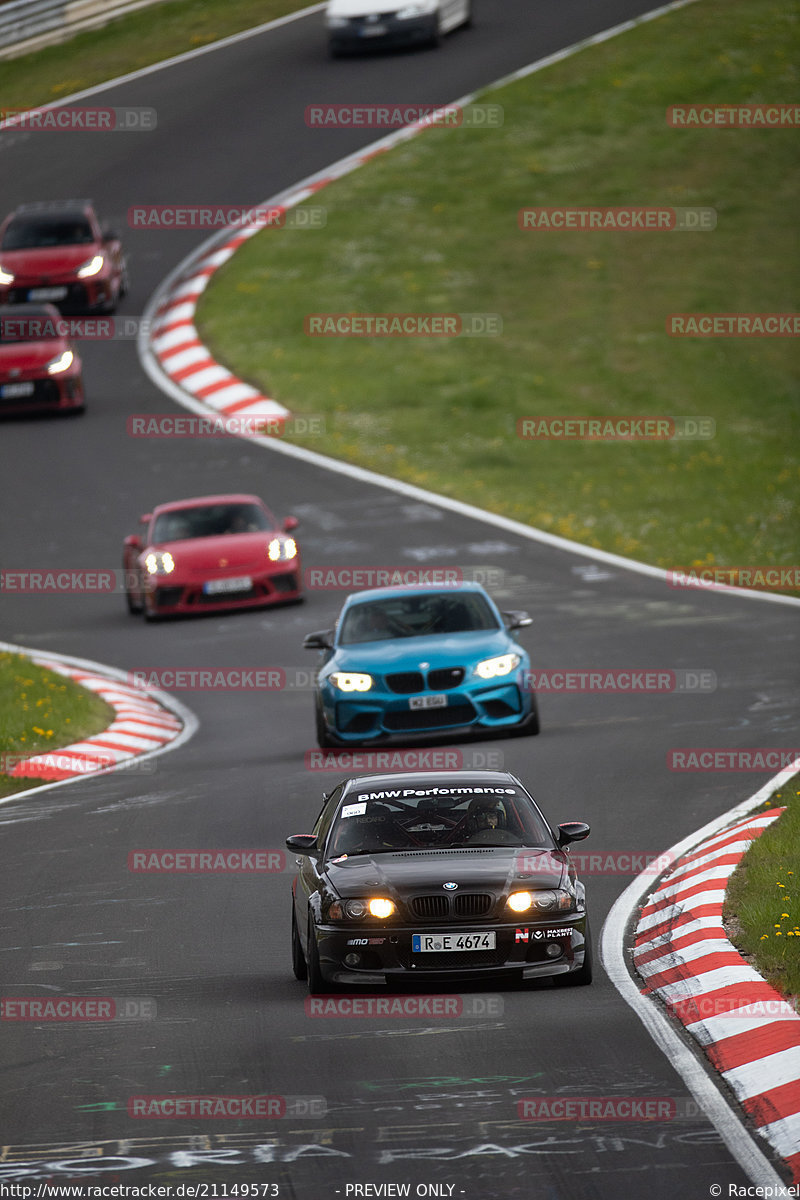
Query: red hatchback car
{"points": [[40, 371], [209, 554], [57, 252]]}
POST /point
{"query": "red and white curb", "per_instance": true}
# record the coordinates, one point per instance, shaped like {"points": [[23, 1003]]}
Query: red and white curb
{"points": [[748, 1031], [145, 723]]}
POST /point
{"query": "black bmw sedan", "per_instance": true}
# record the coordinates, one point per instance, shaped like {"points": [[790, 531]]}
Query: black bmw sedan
{"points": [[434, 876]]}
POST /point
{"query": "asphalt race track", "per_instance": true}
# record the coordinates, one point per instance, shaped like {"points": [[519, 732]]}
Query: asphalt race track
{"points": [[409, 1101]]}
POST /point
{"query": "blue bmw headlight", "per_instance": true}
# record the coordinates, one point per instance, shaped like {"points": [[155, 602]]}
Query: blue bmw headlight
{"points": [[351, 681], [503, 664]]}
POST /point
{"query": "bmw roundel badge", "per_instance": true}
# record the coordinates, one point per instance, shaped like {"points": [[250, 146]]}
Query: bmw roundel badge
{"points": [[449, 887]]}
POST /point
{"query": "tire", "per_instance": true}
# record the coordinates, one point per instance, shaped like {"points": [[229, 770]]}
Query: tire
{"points": [[583, 976], [134, 608], [324, 739], [436, 36], [299, 964], [124, 283], [467, 22], [317, 986], [150, 613]]}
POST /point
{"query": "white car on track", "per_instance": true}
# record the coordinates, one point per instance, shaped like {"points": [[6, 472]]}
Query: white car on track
{"points": [[357, 24]]}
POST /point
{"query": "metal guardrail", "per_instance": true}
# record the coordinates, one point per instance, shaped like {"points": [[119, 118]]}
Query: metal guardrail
{"points": [[29, 24]]}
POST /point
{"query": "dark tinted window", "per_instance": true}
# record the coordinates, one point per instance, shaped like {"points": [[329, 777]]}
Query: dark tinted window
{"points": [[437, 817], [416, 616], [211, 520], [31, 233]]}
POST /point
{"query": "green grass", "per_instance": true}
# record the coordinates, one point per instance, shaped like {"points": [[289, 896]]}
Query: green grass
{"points": [[762, 901], [129, 43], [40, 710], [432, 227]]}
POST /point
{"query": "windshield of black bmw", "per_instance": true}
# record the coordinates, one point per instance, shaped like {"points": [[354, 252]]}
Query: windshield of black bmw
{"points": [[35, 233], [436, 817], [416, 616], [212, 520]]}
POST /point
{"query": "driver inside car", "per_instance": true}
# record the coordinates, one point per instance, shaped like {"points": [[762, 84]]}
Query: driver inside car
{"points": [[485, 814], [367, 833]]}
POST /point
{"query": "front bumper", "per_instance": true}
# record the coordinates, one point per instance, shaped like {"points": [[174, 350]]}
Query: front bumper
{"points": [[182, 598], [80, 296], [386, 953], [360, 717], [50, 393], [360, 34]]}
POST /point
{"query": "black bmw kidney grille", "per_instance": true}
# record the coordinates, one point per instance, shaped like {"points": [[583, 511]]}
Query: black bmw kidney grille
{"points": [[440, 908], [405, 682], [444, 678]]}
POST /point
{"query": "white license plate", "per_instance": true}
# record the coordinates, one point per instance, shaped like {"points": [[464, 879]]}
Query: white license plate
{"points": [[216, 587], [10, 391], [51, 293], [437, 701], [438, 942], [373, 31]]}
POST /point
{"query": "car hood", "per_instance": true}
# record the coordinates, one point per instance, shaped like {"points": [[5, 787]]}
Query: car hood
{"points": [[362, 8], [400, 874], [29, 356], [239, 549], [440, 650], [48, 260]]}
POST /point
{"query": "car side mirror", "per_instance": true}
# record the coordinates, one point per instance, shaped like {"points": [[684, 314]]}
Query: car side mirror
{"points": [[146, 519], [289, 524], [517, 620], [319, 641], [133, 542], [572, 831], [303, 843]]}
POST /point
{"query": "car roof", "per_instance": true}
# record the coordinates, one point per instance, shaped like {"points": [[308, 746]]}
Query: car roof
{"points": [[431, 779], [73, 208], [201, 501], [418, 590]]}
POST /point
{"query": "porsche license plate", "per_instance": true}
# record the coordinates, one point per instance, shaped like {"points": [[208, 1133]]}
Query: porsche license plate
{"points": [[47, 293], [373, 30], [10, 391], [448, 942], [437, 701], [217, 587]]}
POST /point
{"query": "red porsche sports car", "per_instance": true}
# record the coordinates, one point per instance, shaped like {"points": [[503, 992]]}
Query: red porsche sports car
{"points": [[39, 369], [58, 253], [209, 554]]}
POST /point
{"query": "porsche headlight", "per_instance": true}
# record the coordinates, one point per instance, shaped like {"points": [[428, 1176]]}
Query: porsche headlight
{"points": [[374, 906], [491, 668], [414, 10], [62, 363], [159, 564], [281, 549], [351, 681], [92, 267], [6, 276]]}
